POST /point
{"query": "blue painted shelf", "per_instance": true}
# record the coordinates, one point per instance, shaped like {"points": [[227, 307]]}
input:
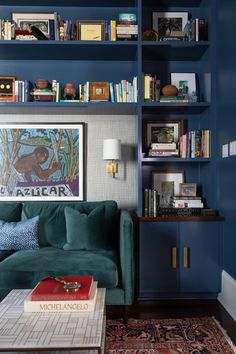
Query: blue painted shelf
{"points": [[173, 159], [68, 107], [68, 50], [183, 108], [70, 3], [174, 50]]}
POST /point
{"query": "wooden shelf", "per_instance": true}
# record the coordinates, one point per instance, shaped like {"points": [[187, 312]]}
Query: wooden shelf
{"points": [[180, 218]]}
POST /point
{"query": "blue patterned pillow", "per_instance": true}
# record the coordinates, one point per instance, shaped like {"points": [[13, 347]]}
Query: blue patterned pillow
{"points": [[22, 235]]}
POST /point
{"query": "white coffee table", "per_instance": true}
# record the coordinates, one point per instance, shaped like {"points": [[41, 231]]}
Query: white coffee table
{"points": [[51, 332]]}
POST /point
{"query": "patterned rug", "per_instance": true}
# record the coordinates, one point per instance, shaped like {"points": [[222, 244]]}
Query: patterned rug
{"points": [[177, 336]]}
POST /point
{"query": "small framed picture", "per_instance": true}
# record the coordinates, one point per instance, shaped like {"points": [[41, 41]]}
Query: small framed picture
{"points": [[169, 24], [167, 185], [186, 83], [168, 131], [7, 88], [41, 20], [99, 91], [90, 30], [188, 189]]}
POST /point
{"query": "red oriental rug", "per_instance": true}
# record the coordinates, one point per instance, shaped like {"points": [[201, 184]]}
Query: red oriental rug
{"points": [[176, 336]]}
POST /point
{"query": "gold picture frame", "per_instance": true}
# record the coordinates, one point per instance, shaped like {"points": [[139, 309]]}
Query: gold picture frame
{"points": [[90, 30], [99, 91]]}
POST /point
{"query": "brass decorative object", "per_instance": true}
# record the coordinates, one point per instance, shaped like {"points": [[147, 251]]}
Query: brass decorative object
{"points": [[150, 35]]}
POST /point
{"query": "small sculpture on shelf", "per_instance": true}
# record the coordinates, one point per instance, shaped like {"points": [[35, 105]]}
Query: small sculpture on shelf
{"points": [[69, 91]]}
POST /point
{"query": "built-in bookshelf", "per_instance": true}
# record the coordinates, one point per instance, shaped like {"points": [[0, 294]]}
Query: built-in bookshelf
{"points": [[112, 61]]}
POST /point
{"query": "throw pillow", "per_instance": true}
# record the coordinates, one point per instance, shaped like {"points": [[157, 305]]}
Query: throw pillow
{"points": [[20, 235], [84, 232]]}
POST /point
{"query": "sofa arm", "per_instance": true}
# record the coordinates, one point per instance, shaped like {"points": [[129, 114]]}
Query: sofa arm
{"points": [[127, 256]]}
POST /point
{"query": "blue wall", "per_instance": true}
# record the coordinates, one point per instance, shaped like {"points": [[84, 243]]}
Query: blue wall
{"points": [[226, 126]]}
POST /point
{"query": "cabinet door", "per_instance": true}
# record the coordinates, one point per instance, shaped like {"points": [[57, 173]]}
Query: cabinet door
{"points": [[156, 271], [200, 267]]}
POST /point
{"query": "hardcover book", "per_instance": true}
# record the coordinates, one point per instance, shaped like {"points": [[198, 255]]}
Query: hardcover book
{"points": [[62, 305], [53, 290]]}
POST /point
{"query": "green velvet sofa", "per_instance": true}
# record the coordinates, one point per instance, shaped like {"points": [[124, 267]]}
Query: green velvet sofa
{"points": [[112, 267]]}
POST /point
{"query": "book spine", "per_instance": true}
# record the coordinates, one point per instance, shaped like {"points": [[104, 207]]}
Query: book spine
{"points": [[52, 29], [61, 306]]}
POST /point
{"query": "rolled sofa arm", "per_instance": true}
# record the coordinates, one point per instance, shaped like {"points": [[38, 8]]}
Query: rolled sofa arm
{"points": [[127, 256]]}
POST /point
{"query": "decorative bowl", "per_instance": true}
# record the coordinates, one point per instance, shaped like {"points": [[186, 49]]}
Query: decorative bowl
{"points": [[169, 90]]}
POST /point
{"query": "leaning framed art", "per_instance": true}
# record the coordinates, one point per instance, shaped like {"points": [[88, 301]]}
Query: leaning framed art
{"points": [[42, 162]]}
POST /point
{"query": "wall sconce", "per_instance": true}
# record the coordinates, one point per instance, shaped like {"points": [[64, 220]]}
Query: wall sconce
{"points": [[112, 152]]}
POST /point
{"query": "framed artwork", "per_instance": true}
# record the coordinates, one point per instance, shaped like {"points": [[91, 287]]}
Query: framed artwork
{"points": [[188, 189], [90, 30], [185, 83], [37, 19], [169, 24], [7, 88], [168, 131], [99, 91], [167, 185], [42, 161]]}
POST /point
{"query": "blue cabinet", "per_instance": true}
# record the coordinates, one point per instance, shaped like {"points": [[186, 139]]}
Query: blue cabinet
{"points": [[179, 259]]}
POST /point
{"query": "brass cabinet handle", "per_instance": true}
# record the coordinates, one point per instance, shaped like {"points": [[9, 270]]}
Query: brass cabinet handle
{"points": [[174, 257], [186, 257]]}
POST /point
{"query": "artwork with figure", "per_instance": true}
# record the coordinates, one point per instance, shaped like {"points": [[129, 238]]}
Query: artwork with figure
{"points": [[41, 162], [163, 134]]}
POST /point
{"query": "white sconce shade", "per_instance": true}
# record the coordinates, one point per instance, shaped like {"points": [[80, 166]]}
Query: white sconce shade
{"points": [[111, 149]]}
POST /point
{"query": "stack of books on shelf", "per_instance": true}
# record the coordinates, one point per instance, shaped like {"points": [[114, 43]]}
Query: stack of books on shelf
{"points": [[175, 99], [195, 144], [163, 150], [126, 28], [186, 202], [150, 202], [50, 295]]}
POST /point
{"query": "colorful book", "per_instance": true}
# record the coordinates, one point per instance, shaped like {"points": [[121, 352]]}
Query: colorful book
{"points": [[53, 290], [64, 305]]}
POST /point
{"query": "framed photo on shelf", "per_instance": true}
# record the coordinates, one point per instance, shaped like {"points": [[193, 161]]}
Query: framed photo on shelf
{"points": [[43, 162], [166, 131], [186, 83], [169, 24], [98, 91], [90, 30], [188, 189], [41, 20], [167, 185], [7, 88]]}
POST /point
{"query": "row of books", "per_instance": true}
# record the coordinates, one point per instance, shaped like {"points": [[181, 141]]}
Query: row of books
{"points": [[194, 144], [60, 29], [49, 295], [196, 30], [151, 88], [150, 202], [24, 91]]}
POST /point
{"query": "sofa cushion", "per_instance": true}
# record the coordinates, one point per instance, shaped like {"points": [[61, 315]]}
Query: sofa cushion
{"points": [[23, 269], [10, 211], [84, 232], [5, 254], [52, 227], [21, 235]]}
